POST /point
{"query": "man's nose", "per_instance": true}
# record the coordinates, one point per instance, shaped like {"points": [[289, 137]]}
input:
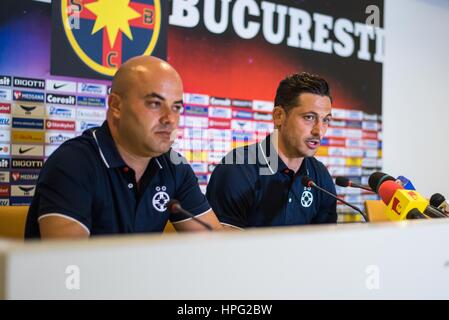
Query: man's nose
{"points": [[319, 129], [168, 116]]}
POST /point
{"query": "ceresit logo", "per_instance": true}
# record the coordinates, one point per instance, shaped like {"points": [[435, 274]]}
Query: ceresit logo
{"points": [[61, 99], [128, 28], [92, 88], [215, 101], [5, 81], [60, 125]]}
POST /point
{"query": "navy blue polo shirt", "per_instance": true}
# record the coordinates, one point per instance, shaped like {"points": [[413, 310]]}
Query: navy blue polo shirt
{"points": [[260, 190], [86, 180]]}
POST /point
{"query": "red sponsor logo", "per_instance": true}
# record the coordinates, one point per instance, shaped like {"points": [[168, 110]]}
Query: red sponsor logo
{"points": [[369, 135], [219, 124], [15, 175], [336, 142], [60, 125], [4, 191], [5, 108]]}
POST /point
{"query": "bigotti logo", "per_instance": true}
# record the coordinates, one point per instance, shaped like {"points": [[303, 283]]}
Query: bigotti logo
{"points": [[23, 177], [5, 81], [61, 99], [31, 96], [5, 108], [19, 163], [92, 88], [220, 102], [29, 83], [60, 125]]}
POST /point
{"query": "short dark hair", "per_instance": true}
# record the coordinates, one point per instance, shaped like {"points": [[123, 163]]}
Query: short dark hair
{"points": [[293, 85]]}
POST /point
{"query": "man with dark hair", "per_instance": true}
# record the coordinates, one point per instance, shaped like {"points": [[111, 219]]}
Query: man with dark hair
{"points": [[260, 185], [118, 178]]}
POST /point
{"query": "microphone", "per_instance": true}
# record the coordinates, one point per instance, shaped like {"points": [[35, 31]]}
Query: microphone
{"points": [[345, 182], [175, 207], [308, 182], [402, 203], [439, 201], [405, 182]]}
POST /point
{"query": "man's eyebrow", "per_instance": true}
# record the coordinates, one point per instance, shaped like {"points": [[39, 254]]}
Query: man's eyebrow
{"points": [[156, 95], [313, 112]]}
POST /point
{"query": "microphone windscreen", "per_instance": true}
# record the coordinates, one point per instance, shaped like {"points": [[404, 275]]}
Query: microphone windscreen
{"points": [[377, 178], [342, 181], [387, 190], [436, 200]]}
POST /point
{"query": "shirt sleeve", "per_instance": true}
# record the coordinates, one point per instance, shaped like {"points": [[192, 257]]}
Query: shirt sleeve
{"points": [[231, 193], [66, 185], [327, 212], [188, 193]]}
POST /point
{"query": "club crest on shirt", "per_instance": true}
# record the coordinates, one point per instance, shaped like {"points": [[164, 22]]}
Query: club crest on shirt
{"points": [[306, 198], [160, 199]]}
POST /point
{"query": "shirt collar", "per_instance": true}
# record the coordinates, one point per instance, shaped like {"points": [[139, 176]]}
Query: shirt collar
{"points": [[108, 150], [273, 161]]}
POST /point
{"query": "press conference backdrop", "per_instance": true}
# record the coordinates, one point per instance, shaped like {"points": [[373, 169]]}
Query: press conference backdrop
{"points": [[54, 78]]}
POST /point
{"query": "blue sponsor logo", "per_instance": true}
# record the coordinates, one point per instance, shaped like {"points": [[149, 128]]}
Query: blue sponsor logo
{"points": [[87, 125], [61, 112], [325, 142], [5, 95], [195, 110], [5, 121], [25, 123], [202, 178], [91, 101], [92, 88], [20, 201], [31, 96], [242, 114]]}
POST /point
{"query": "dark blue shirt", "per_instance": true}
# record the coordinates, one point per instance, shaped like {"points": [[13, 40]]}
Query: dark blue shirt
{"points": [[260, 190], [86, 180]]}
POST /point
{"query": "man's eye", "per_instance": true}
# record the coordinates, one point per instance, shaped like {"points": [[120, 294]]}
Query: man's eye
{"points": [[309, 117], [327, 120], [153, 104], [178, 108]]}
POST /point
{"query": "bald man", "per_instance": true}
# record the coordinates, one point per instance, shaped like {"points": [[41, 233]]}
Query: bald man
{"points": [[118, 178]]}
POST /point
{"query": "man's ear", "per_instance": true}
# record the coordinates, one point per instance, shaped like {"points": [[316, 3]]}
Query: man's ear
{"points": [[278, 116], [115, 105]]}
